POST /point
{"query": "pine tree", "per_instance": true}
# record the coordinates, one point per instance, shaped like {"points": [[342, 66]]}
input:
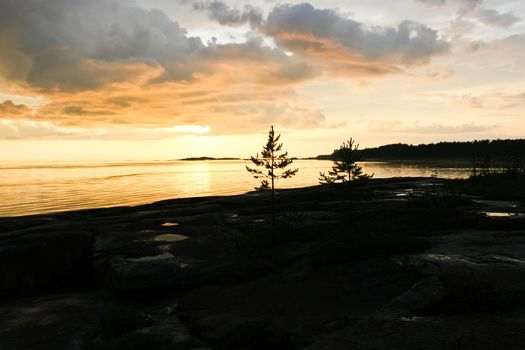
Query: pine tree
{"points": [[345, 170], [274, 164]]}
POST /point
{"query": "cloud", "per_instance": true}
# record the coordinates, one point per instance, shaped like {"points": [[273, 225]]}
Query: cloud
{"points": [[432, 2], [498, 100], [108, 64], [474, 9], [440, 74], [17, 129], [426, 128], [8, 109], [492, 101], [472, 101], [351, 45], [78, 110], [14, 129], [222, 13], [494, 18], [290, 116], [74, 45], [514, 101]]}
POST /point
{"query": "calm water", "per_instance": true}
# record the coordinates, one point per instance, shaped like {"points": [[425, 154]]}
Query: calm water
{"points": [[40, 188]]}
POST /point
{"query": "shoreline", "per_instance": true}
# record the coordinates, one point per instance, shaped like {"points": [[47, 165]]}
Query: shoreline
{"points": [[168, 201]]}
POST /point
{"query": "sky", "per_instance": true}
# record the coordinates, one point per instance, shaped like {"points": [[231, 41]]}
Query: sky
{"points": [[164, 79]]}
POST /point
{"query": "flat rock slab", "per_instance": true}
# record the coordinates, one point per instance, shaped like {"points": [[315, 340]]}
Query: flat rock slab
{"points": [[484, 251], [44, 259], [479, 331], [152, 260], [55, 322], [296, 299]]}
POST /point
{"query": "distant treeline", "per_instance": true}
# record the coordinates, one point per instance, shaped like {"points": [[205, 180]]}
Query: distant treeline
{"points": [[495, 150]]}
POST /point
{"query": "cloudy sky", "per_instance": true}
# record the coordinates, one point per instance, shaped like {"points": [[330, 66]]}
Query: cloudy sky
{"points": [[162, 79]]}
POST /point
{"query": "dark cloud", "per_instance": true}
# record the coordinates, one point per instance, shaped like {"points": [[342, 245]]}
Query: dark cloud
{"points": [[75, 45], [222, 13], [432, 2], [65, 69], [79, 111], [68, 42], [304, 28]]}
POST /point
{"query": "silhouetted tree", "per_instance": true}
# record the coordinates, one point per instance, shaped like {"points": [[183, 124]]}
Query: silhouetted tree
{"points": [[274, 164], [345, 170]]}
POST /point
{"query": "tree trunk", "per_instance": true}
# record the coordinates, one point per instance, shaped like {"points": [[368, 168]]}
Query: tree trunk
{"points": [[349, 198], [273, 201]]}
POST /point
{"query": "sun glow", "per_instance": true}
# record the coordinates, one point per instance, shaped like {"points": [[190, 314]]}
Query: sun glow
{"points": [[191, 129]]}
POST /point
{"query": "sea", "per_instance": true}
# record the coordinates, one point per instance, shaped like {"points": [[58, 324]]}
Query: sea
{"points": [[38, 188]]}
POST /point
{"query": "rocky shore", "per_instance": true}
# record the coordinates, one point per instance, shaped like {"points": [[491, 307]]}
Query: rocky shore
{"points": [[202, 273]]}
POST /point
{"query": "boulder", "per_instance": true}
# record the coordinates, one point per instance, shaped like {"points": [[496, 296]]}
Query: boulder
{"points": [[423, 295], [41, 260], [58, 321], [487, 265]]}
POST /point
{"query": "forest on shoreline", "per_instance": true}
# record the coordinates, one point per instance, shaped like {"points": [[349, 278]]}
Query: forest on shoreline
{"points": [[479, 150]]}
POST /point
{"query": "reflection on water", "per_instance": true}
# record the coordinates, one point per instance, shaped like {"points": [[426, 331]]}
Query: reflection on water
{"points": [[31, 189]]}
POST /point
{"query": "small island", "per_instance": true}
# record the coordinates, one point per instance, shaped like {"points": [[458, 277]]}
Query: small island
{"points": [[207, 158]]}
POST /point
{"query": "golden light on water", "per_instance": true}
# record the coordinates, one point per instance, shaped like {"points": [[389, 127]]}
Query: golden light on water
{"points": [[46, 187]]}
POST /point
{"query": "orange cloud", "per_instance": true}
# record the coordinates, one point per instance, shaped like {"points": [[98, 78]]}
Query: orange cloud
{"points": [[112, 65], [10, 110]]}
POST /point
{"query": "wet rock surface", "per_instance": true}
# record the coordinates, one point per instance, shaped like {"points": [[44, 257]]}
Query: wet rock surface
{"points": [[203, 273]]}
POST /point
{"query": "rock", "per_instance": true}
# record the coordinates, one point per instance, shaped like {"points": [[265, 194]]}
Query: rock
{"points": [[297, 299], [489, 265], [125, 242], [205, 255], [148, 272], [497, 274], [41, 260], [200, 220], [423, 295], [479, 331], [169, 331], [49, 322], [15, 224]]}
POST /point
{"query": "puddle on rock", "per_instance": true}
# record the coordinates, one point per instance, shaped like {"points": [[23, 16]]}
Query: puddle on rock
{"points": [[169, 224], [402, 194], [171, 237], [498, 214]]}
